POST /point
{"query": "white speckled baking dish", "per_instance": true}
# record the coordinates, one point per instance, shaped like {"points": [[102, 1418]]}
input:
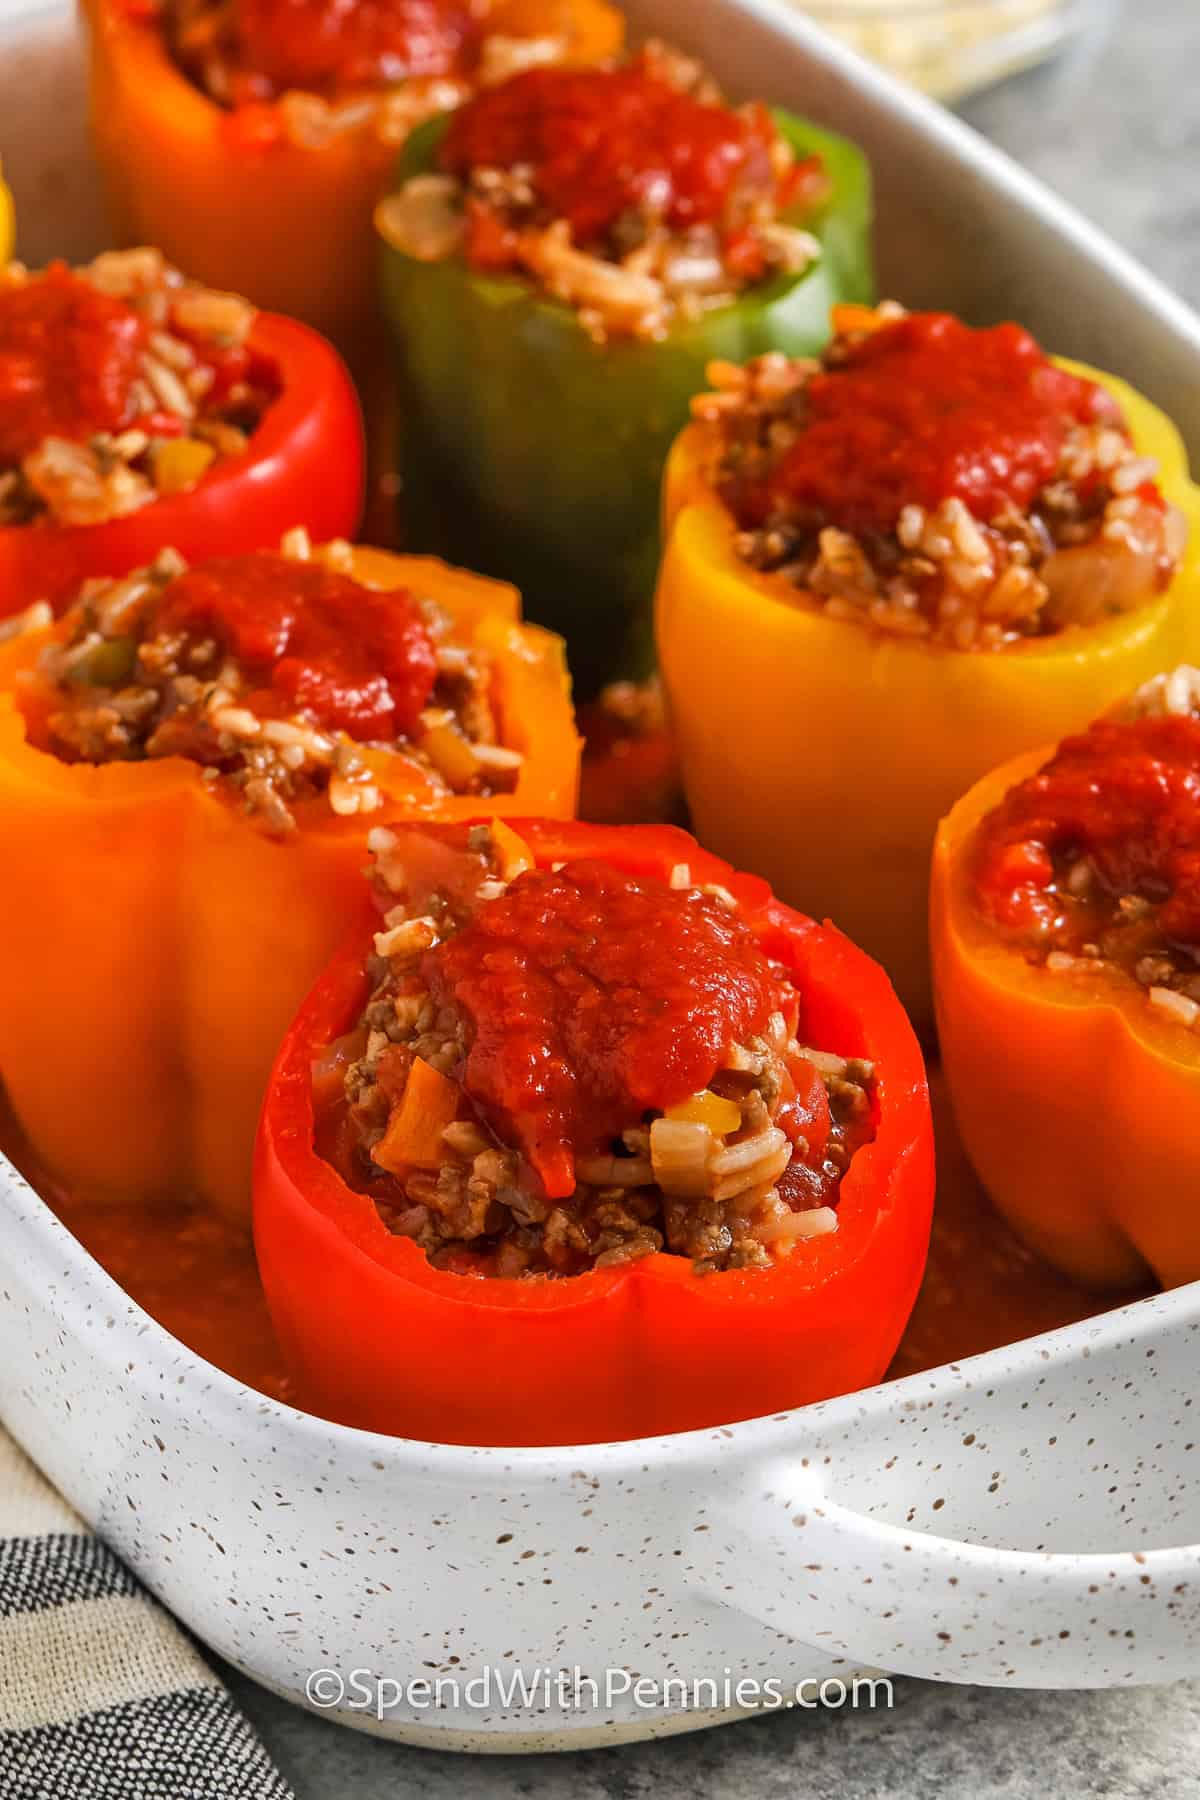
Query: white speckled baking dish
{"points": [[1028, 1517], [1009, 1519]]}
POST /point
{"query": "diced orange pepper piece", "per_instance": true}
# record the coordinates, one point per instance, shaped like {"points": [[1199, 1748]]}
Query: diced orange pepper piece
{"points": [[514, 853], [847, 318], [413, 1139]]}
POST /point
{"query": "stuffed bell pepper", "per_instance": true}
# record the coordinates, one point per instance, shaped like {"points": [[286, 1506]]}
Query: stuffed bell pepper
{"points": [[561, 261], [251, 138], [7, 220], [140, 411], [190, 760], [1066, 949], [586, 1105], [890, 570]]}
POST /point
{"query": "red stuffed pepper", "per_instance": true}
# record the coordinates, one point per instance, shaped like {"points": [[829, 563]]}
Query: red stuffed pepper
{"points": [[593, 1139], [139, 412]]}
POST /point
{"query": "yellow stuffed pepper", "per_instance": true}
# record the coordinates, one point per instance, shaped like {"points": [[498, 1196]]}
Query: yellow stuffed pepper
{"points": [[252, 138], [1065, 916], [886, 573], [8, 222], [191, 761]]}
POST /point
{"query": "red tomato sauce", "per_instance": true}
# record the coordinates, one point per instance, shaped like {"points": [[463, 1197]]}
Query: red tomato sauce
{"points": [[1125, 794], [69, 359], [602, 143], [356, 660], [591, 997], [321, 44], [923, 410]]}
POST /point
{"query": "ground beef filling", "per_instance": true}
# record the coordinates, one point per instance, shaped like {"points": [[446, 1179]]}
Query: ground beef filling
{"points": [[1094, 863], [634, 194], [549, 1158], [280, 675], [307, 71], [119, 382], [940, 483]]}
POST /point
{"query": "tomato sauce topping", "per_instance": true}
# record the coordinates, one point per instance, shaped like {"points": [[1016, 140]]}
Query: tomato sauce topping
{"points": [[321, 44], [357, 660], [922, 410], [603, 143], [1126, 795], [591, 997], [69, 358]]}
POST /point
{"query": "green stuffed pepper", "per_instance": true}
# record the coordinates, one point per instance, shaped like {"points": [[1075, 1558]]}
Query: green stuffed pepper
{"points": [[562, 261]]}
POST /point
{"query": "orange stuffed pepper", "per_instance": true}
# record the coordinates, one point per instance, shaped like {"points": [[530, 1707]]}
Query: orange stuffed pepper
{"points": [[889, 572], [191, 761], [1066, 950], [252, 138]]}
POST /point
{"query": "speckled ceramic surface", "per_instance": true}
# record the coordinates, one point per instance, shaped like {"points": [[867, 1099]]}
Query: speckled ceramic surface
{"points": [[1014, 1520]]}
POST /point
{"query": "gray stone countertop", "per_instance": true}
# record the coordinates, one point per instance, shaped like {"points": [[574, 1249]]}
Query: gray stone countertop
{"points": [[1115, 129]]}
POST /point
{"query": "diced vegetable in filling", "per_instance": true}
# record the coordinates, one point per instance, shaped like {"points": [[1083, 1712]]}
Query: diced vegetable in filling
{"points": [[565, 1069], [940, 483]]}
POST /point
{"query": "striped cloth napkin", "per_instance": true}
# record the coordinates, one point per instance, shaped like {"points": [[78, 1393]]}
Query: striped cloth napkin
{"points": [[102, 1697]]}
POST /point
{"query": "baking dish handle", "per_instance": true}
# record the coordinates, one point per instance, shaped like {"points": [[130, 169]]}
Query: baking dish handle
{"points": [[1082, 1437], [917, 1604]]}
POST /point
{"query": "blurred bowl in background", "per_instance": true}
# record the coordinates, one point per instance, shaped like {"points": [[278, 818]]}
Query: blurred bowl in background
{"points": [[949, 48]]}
